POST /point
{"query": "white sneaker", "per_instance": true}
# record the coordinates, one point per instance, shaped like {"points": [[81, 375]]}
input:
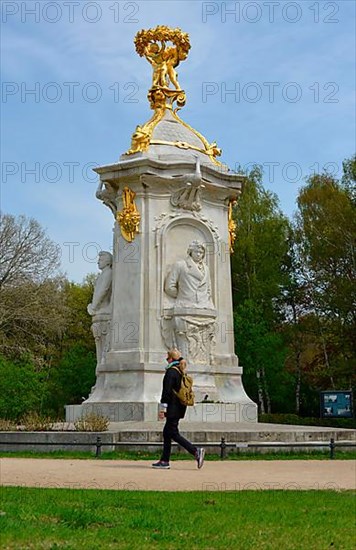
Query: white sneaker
{"points": [[199, 457]]}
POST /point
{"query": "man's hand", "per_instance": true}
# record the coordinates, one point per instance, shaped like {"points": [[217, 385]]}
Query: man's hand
{"points": [[161, 415]]}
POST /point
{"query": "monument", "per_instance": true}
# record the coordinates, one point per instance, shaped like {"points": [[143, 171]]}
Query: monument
{"points": [[168, 282]]}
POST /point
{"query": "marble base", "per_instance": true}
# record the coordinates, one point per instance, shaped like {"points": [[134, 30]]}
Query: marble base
{"points": [[147, 412], [116, 412], [222, 413]]}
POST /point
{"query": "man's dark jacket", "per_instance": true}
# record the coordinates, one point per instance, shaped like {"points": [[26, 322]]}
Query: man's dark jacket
{"points": [[172, 381]]}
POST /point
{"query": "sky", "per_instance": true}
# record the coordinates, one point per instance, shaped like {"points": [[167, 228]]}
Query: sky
{"points": [[273, 82]]}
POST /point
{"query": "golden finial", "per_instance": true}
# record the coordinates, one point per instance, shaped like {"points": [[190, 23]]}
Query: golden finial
{"points": [[166, 90], [152, 44]]}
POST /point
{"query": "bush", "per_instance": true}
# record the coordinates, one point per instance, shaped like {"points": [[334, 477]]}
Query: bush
{"points": [[92, 422], [34, 422], [7, 425], [22, 388]]}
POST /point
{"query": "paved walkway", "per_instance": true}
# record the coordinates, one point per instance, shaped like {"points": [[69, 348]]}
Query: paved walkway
{"points": [[183, 475]]}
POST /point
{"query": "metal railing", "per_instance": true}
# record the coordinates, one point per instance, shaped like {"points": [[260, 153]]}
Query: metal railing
{"points": [[332, 445], [223, 445]]}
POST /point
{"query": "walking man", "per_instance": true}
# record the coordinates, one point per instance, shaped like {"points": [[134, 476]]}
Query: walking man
{"points": [[173, 410]]}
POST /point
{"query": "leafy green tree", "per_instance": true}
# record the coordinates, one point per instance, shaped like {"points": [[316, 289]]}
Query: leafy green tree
{"points": [[72, 374], [43, 317], [261, 245], [262, 351], [71, 380], [23, 388], [258, 279], [325, 237], [78, 327], [296, 307]]}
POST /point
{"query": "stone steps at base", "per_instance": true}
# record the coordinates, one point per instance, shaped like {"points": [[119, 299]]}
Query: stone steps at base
{"points": [[139, 436]]}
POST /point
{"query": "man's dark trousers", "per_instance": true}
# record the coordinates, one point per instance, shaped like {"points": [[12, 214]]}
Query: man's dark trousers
{"points": [[170, 431]]}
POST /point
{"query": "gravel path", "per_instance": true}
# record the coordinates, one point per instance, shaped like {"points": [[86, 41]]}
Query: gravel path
{"points": [[183, 475]]}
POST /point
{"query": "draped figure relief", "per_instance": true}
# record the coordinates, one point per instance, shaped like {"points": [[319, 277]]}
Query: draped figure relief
{"points": [[190, 323]]}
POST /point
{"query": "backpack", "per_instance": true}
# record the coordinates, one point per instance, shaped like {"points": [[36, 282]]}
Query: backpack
{"points": [[185, 393]]}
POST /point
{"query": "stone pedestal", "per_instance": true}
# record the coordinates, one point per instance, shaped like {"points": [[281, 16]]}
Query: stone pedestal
{"points": [[147, 412]]}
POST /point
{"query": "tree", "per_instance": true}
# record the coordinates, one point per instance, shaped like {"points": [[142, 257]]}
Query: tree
{"points": [[293, 303], [71, 379], [23, 388], [78, 327], [45, 330], [73, 374], [325, 235], [348, 180], [28, 255], [262, 351], [32, 313], [258, 278]]}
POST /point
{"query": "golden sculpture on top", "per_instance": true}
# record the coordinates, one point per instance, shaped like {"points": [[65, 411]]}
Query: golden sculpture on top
{"points": [[164, 60], [165, 89]]}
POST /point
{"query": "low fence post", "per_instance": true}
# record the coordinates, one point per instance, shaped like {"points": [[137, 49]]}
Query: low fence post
{"points": [[98, 447], [222, 448], [332, 448]]}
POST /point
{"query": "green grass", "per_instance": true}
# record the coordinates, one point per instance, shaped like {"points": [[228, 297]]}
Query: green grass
{"points": [[142, 455], [91, 519]]}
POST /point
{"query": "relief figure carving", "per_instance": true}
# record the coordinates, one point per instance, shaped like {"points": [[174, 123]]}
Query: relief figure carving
{"points": [[190, 324]]}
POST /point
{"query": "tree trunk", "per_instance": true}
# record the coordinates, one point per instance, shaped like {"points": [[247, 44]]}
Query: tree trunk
{"points": [[297, 356], [266, 392], [298, 383], [261, 402], [326, 356]]}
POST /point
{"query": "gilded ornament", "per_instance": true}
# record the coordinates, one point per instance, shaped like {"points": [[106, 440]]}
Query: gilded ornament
{"points": [[213, 150], [140, 140], [163, 59], [129, 218], [166, 90], [232, 225], [209, 149]]}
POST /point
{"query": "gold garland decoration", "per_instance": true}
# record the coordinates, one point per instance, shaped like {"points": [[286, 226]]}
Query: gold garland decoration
{"points": [[162, 34]]}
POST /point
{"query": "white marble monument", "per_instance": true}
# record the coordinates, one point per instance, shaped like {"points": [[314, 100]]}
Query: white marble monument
{"points": [[168, 282]]}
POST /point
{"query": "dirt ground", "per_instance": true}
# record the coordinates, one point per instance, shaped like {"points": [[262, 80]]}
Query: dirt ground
{"points": [[183, 475]]}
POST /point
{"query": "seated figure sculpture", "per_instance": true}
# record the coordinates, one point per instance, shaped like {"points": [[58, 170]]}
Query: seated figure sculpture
{"points": [[190, 324], [189, 280]]}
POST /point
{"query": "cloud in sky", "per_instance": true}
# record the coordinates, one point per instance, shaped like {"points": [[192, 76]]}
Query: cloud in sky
{"points": [[49, 143]]}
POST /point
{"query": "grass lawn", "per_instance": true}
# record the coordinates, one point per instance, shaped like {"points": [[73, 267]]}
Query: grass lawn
{"points": [[73, 519]]}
